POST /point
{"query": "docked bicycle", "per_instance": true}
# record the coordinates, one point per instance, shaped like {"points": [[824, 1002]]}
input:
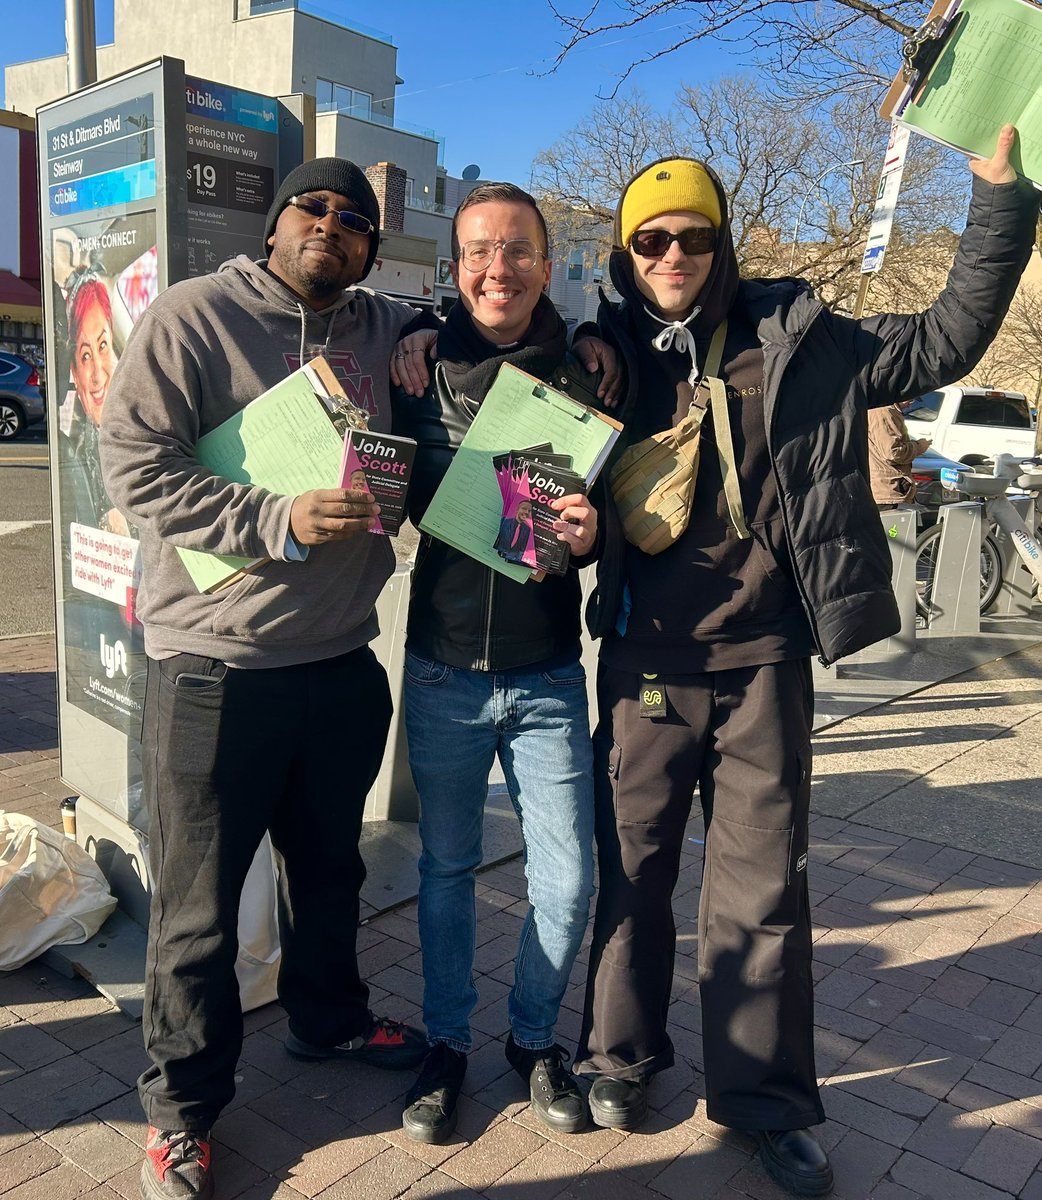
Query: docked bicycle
{"points": [[1023, 475]]}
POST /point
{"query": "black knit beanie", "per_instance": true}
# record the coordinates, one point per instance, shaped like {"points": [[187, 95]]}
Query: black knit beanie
{"points": [[329, 175]]}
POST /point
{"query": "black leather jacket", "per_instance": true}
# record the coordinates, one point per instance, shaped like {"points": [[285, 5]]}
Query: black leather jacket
{"points": [[460, 612]]}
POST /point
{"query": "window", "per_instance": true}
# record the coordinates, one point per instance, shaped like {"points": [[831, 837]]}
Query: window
{"points": [[925, 407], [410, 189], [338, 97], [598, 269], [995, 408], [575, 264]]}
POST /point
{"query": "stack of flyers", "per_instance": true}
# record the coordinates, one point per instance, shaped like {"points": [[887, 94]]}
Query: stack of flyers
{"points": [[528, 481], [379, 464]]}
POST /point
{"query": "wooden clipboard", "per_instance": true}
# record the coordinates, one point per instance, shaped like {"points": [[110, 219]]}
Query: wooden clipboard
{"points": [[919, 53]]}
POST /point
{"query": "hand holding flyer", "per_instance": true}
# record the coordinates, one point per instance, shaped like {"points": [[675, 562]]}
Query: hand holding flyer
{"points": [[530, 481], [380, 464]]}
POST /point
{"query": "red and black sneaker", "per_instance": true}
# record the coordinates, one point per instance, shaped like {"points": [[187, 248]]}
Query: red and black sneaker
{"points": [[176, 1166], [389, 1044]]}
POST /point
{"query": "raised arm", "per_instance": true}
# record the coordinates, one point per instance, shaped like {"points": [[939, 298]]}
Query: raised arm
{"points": [[913, 354]]}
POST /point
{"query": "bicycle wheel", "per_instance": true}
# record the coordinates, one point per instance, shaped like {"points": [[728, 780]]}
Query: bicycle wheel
{"points": [[990, 572], [926, 546]]}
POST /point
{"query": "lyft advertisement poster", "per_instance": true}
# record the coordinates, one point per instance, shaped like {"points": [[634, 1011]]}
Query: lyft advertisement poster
{"points": [[232, 168], [104, 277]]}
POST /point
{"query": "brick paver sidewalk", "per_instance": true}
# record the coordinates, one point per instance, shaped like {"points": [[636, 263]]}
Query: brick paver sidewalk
{"points": [[929, 968]]}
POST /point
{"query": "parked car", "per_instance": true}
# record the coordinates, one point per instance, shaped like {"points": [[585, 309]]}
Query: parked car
{"points": [[973, 425], [21, 395]]}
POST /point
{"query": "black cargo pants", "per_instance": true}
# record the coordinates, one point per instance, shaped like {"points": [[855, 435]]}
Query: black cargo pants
{"points": [[226, 755], [743, 738]]}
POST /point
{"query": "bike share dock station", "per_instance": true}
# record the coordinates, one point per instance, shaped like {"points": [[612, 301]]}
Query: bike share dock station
{"points": [[940, 590]]}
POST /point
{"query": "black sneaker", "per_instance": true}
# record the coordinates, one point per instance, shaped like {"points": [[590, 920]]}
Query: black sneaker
{"points": [[389, 1044], [176, 1166], [556, 1097], [430, 1106]]}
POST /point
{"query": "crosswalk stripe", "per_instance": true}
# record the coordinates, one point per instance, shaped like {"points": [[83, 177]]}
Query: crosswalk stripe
{"points": [[18, 526]]}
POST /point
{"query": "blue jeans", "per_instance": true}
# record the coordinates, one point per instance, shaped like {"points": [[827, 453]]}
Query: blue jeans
{"points": [[537, 722]]}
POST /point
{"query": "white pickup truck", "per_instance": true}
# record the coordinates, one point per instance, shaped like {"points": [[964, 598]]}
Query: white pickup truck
{"points": [[973, 425]]}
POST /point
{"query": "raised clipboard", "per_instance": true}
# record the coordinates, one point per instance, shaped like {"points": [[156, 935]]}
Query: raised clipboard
{"points": [[970, 69], [918, 55]]}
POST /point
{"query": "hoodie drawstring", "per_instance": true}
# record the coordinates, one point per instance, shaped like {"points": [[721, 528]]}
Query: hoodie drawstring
{"points": [[303, 330], [677, 335]]}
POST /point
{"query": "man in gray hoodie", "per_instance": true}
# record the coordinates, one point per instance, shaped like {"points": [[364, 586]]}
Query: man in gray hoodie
{"points": [[265, 709]]}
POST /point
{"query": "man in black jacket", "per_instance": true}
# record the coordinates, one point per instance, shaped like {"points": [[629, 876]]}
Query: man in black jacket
{"points": [[723, 623], [492, 669]]}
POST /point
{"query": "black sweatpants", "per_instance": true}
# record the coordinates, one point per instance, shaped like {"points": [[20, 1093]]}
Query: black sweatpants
{"points": [[226, 755], [743, 737]]}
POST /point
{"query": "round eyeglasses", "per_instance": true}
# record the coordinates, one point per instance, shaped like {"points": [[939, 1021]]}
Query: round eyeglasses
{"points": [[316, 208], [520, 253], [653, 243]]}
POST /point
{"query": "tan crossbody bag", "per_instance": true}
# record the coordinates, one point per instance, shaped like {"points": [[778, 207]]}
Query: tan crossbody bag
{"points": [[653, 483]]}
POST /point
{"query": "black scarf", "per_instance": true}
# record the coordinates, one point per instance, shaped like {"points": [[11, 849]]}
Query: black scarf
{"points": [[471, 362]]}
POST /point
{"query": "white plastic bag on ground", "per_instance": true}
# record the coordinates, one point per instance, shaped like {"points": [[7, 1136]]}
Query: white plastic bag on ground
{"points": [[260, 954], [52, 892]]}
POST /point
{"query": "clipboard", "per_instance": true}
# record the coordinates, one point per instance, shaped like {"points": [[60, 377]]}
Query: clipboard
{"points": [[970, 69], [518, 410], [919, 54]]}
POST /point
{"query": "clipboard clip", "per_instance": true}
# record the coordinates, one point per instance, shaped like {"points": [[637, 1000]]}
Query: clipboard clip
{"points": [[920, 51], [540, 393]]}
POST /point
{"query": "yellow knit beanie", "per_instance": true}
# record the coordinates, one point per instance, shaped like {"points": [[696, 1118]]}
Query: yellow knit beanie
{"points": [[676, 185]]}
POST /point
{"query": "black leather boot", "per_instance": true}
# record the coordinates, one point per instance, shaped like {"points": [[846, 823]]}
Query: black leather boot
{"points": [[618, 1103], [795, 1161]]}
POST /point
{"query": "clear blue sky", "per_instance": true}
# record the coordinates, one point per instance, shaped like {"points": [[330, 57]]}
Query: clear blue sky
{"points": [[470, 68]]}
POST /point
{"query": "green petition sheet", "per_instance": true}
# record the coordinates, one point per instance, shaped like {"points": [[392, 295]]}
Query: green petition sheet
{"points": [[283, 442], [517, 411], [989, 72]]}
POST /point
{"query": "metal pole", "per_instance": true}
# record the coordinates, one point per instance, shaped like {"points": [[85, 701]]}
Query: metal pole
{"points": [[80, 44]]}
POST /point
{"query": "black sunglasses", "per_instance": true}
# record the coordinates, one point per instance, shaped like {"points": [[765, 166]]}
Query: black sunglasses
{"points": [[653, 243], [318, 209]]}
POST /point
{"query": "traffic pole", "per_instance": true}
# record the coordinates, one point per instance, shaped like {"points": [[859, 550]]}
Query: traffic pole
{"points": [[80, 44]]}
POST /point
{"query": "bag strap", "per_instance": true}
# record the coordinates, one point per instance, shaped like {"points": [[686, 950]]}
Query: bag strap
{"points": [[716, 350], [725, 448], [722, 429]]}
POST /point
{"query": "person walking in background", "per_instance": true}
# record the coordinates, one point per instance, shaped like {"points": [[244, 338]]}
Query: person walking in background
{"points": [[891, 452]]}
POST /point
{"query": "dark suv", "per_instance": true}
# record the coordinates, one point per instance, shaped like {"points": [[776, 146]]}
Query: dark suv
{"points": [[21, 395]]}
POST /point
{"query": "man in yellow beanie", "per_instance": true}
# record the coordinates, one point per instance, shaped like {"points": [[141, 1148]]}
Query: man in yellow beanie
{"points": [[705, 677]]}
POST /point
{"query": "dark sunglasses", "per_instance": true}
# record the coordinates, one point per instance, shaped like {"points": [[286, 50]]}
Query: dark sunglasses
{"points": [[318, 209], [653, 243]]}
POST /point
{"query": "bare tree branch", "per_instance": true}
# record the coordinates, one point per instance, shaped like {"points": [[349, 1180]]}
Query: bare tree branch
{"points": [[815, 47]]}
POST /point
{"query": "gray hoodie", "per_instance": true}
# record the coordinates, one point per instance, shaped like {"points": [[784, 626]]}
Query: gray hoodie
{"points": [[204, 349]]}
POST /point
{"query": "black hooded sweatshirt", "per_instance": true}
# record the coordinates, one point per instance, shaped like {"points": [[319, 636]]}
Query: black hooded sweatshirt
{"points": [[712, 601]]}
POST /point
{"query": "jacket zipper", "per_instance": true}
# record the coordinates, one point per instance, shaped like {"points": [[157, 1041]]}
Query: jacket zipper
{"points": [[486, 662], [822, 658], [487, 649]]}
